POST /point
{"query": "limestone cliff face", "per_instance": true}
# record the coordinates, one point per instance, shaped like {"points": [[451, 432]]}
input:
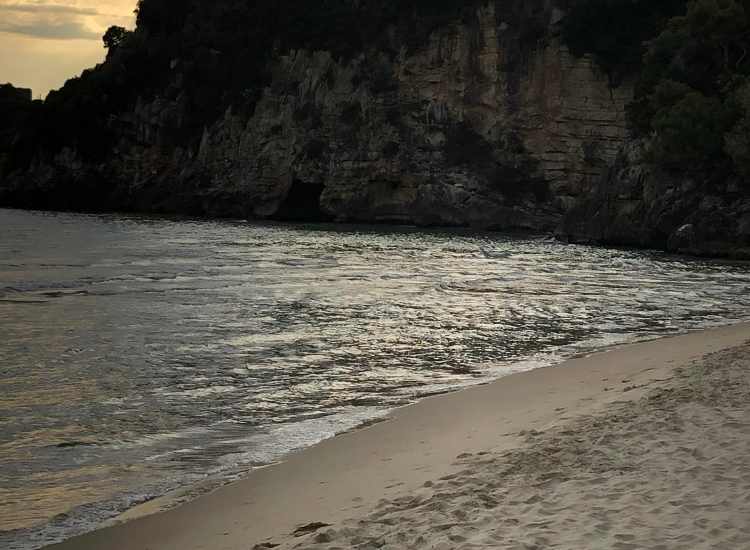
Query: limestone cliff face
{"points": [[490, 122]]}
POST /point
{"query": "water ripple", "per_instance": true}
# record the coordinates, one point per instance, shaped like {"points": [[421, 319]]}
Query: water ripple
{"points": [[160, 352]]}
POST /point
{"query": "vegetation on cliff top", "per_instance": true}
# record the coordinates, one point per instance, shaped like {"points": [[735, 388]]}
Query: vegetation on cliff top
{"points": [[222, 49], [615, 31], [690, 58], [693, 92]]}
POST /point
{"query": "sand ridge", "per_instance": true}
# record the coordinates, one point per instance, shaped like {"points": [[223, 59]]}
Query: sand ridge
{"points": [[668, 471]]}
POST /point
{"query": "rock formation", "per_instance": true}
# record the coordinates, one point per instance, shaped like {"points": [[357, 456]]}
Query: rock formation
{"points": [[636, 204], [474, 128], [489, 123]]}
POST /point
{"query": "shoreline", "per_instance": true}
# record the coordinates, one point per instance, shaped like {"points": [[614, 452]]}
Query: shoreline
{"points": [[184, 495], [392, 226], [347, 475]]}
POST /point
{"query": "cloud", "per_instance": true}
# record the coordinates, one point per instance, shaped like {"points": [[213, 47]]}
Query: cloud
{"points": [[57, 19], [47, 8], [45, 42], [59, 30]]}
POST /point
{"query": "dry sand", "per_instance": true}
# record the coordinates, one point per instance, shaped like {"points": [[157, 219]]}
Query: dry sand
{"points": [[645, 446]]}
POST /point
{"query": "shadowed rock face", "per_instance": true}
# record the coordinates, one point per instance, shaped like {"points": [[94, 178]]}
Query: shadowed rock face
{"points": [[476, 127], [489, 123], [636, 204], [14, 112], [11, 94]]}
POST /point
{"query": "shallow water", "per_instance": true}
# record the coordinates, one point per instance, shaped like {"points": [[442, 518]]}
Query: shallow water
{"points": [[141, 355]]}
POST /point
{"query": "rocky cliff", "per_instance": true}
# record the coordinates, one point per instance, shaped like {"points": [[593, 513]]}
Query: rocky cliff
{"points": [[488, 122], [638, 204], [455, 114], [480, 126]]}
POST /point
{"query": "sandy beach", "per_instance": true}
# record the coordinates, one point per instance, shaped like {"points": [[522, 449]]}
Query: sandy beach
{"points": [[643, 446]]}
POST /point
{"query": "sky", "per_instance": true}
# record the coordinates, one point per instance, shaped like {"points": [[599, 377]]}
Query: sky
{"points": [[43, 43]]}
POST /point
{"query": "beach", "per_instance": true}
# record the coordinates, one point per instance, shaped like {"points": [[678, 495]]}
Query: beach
{"points": [[375, 274], [138, 368], [641, 446]]}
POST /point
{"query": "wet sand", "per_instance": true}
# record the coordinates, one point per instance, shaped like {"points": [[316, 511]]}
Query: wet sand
{"points": [[642, 446]]}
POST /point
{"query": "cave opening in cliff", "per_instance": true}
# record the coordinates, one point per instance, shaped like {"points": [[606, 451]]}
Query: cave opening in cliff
{"points": [[302, 203]]}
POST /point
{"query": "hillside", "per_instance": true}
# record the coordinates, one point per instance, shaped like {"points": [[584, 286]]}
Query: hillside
{"points": [[609, 121]]}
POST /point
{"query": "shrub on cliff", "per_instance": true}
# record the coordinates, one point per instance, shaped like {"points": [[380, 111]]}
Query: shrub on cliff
{"points": [[687, 97], [691, 130], [614, 31], [115, 37], [692, 62], [737, 139], [212, 55]]}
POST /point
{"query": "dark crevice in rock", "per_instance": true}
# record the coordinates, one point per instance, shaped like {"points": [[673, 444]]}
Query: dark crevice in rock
{"points": [[302, 203]]}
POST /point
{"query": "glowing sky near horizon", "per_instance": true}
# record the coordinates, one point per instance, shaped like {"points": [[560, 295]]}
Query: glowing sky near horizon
{"points": [[43, 43]]}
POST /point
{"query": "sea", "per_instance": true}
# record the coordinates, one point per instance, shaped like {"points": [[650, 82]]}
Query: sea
{"points": [[142, 355]]}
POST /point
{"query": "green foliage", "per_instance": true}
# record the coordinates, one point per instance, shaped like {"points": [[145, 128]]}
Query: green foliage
{"points": [[690, 96], [162, 16], [115, 36], [212, 54], [737, 140], [691, 130], [692, 60], [79, 114], [704, 48], [18, 118], [614, 31]]}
